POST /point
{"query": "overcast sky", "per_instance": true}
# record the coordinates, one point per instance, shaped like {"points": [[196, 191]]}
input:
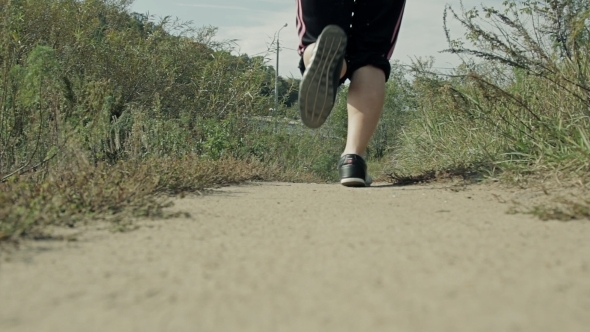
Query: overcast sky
{"points": [[254, 22]]}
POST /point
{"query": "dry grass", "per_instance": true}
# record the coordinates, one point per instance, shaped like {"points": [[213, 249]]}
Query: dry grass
{"points": [[80, 192]]}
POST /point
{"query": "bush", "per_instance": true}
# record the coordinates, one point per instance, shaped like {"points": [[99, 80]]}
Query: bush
{"points": [[520, 101], [102, 110]]}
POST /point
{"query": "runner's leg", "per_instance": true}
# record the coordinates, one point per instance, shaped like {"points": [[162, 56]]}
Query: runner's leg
{"points": [[375, 28], [324, 25], [366, 96]]}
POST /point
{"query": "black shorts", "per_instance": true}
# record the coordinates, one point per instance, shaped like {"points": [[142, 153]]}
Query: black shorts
{"points": [[372, 27]]}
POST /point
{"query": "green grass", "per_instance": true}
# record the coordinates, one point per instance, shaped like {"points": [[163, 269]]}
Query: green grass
{"points": [[104, 113], [517, 108]]}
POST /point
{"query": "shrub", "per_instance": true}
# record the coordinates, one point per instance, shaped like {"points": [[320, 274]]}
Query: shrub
{"points": [[520, 100]]}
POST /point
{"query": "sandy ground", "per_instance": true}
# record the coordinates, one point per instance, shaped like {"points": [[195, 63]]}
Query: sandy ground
{"points": [[295, 257]]}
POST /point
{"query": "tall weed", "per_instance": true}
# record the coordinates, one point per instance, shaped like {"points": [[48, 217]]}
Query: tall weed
{"points": [[520, 101]]}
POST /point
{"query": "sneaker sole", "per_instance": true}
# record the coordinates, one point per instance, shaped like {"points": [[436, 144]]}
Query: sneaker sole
{"points": [[353, 182], [317, 89]]}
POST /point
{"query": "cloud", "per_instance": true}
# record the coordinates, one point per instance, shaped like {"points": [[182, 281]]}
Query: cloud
{"points": [[421, 34], [224, 7], [254, 22], [257, 38]]}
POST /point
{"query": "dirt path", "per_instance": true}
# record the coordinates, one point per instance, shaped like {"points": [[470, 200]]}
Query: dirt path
{"points": [[291, 257]]}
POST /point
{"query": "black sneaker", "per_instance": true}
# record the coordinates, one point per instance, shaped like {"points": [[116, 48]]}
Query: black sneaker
{"points": [[319, 85], [353, 171]]}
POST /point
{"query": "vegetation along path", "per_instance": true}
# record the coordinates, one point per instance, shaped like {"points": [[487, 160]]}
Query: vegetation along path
{"points": [[311, 257]]}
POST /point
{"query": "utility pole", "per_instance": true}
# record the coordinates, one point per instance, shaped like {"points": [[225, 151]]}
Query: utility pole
{"points": [[277, 72]]}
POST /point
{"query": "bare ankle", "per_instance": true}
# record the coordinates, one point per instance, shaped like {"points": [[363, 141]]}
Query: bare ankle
{"points": [[353, 151]]}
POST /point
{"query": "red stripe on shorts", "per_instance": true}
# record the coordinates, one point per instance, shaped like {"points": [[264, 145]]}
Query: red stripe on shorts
{"points": [[395, 32], [301, 29]]}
